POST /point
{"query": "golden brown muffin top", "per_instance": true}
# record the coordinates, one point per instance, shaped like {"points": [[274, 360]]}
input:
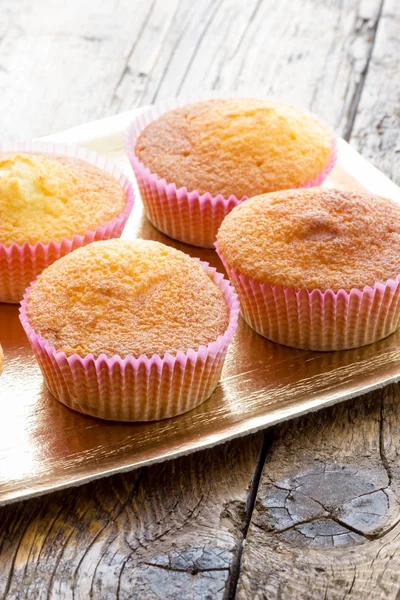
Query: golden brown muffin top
{"points": [[314, 238], [126, 297], [44, 197], [235, 146]]}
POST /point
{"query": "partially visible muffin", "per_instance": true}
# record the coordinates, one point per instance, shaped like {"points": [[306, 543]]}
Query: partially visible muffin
{"points": [[45, 198], [138, 330], [49, 205], [1, 359], [195, 163], [316, 269]]}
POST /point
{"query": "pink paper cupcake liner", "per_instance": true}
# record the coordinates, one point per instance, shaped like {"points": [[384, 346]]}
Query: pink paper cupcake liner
{"points": [[184, 215], [21, 264], [318, 320], [136, 389]]}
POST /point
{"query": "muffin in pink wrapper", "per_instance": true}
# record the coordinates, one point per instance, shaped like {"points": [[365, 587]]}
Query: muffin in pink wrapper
{"points": [[195, 162], [315, 269], [130, 330], [54, 199]]}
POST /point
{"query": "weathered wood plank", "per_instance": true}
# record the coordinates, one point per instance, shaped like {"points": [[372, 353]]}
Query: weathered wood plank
{"points": [[64, 63], [331, 482], [176, 531], [376, 132], [59, 61], [170, 531], [306, 52], [326, 522]]}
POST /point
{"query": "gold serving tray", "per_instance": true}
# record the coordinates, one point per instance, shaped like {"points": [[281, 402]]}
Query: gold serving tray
{"points": [[44, 446]]}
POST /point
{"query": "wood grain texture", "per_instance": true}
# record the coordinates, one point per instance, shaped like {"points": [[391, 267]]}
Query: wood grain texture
{"points": [[326, 522], [64, 63], [170, 531], [376, 132], [59, 61], [326, 519]]}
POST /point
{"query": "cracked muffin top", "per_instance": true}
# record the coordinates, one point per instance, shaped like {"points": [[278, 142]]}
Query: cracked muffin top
{"points": [[45, 197], [126, 298], [237, 146], [314, 238]]}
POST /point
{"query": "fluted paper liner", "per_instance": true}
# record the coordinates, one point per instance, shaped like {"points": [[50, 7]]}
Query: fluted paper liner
{"points": [[21, 264], [318, 320], [136, 389], [184, 215]]}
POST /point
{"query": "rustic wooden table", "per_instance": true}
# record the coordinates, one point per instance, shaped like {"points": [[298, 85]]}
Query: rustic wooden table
{"points": [[311, 508]]}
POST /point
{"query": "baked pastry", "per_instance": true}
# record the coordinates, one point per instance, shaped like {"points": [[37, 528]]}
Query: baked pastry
{"points": [[315, 269], [1, 359], [196, 162], [49, 205], [139, 330]]}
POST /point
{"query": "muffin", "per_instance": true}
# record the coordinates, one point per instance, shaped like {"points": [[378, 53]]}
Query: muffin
{"points": [[1, 359], [51, 204], [130, 330], [196, 162], [316, 269]]}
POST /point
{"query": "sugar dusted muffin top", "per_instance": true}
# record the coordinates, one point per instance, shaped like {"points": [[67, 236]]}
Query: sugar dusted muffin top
{"points": [[235, 146], [45, 197], [126, 297], [314, 238]]}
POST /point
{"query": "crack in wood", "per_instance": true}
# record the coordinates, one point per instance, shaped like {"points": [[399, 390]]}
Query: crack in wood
{"points": [[125, 68], [352, 583], [358, 91], [189, 570], [197, 45], [171, 56], [245, 30], [57, 563], [122, 569], [382, 452], [15, 554], [231, 588], [326, 516], [48, 532], [340, 466], [329, 513], [111, 518]]}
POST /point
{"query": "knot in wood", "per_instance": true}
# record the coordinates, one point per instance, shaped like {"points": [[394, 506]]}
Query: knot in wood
{"points": [[326, 505]]}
